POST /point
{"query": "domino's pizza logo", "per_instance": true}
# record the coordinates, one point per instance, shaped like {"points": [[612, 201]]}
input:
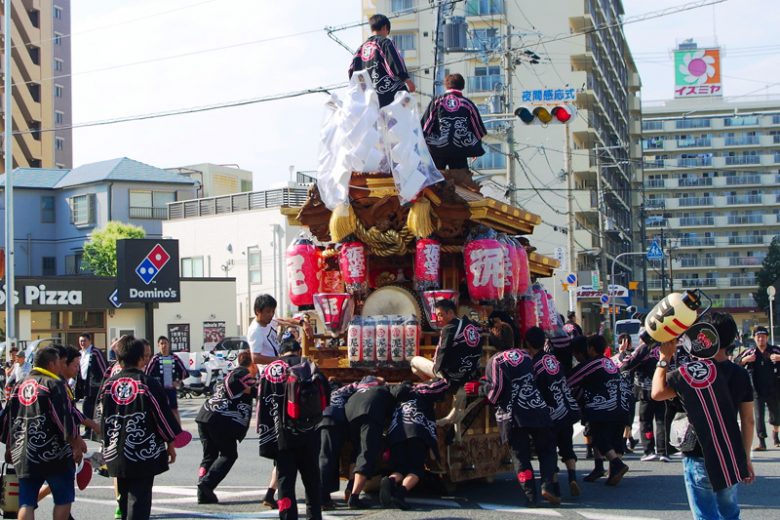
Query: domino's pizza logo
{"points": [[152, 264]]}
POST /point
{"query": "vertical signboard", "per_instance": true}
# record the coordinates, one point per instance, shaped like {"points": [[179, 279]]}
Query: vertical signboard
{"points": [[697, 73], [179, 336], [213, 333]]}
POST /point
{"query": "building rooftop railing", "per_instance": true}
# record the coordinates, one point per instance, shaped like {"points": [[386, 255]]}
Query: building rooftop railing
{"points": [[237, 202]]}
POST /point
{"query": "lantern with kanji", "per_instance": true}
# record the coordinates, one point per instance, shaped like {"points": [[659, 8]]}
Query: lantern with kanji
{"points": [[353, 264], [430, 298], [302, 259], [427, 264], [484, 259], [330, 273], [335, 310], [546, 314], [520, 260], [510, 269], [526, 313]]}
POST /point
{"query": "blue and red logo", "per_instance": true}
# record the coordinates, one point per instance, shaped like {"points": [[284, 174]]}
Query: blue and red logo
{"points": [[150, 266]]}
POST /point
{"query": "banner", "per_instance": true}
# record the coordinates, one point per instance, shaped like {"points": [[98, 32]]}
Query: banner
{"points": [[213, 333], [179, 335]]}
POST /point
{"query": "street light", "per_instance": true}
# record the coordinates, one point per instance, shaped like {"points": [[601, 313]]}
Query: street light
{"points": [[770, 291]]}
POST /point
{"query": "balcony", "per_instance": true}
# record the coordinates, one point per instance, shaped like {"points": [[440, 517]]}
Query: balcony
{"points": [[738, 303], [658, 163], [741, 220], [148, 213], [655, 183], [737, 160], [687, 202], [698, 282], [689, 182], [743, 281], [655, 204], [745, 240], [484, 83], [697, 142], [697, 262], [684, 124], [697, 242], [745, 261], [694, 162], [743, 199], [238, 202], [742, 141], [697, 221], [741, 180], [740, 121]]}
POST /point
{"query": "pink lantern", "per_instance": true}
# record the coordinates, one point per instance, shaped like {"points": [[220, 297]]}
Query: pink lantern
{"points": [[510, 269], [302, 263], [520, 259], [353, 263], [429, 302], [526, 310], [335, 310], [484, 260], [545, 311], [427, 264]]}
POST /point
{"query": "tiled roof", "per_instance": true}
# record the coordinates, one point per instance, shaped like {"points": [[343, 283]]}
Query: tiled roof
{"points": [[122, 169]]}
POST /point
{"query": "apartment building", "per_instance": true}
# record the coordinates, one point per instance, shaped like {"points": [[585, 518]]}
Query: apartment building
{"points": [[41, 68], [583, 59], [712, 184]]}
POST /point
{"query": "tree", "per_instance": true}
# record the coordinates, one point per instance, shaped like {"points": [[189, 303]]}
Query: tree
{"points": [[768, 275], [100, 250]]}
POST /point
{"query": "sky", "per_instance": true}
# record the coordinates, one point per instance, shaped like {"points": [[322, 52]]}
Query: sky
{"points": [[138, 57]]}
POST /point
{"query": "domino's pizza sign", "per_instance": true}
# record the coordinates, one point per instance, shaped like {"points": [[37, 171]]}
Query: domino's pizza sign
{"points": [[148, 270]]}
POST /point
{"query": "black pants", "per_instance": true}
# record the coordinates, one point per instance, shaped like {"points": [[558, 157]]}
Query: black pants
{"points": [[455, 163], [220, 452], [564, 440], [607, 435], [135, 497], [366, 438], [760, 406], [652, 426], [332, 439], [672, 407], [300, 457], [544, 442]]}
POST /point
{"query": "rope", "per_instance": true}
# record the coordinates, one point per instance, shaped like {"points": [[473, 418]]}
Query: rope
{"points": [[386, 243]]}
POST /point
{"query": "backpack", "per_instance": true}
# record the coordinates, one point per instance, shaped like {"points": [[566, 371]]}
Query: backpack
{"points": [[305, 397]]}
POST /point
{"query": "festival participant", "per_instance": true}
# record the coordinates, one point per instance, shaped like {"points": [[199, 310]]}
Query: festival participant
{"points": [[368, 411], [571, 327], [169, 370], [139, 431], [293, 451], [713, 393], [263, 332], [90, 376], [502, 331], [625, 351], [384, 64], [411, 435], [39, 408], [522, 415], [20, 368], [605, 400], [651, 412], [452, 127], [763, 364], [223, 421], [334, 430], [551, 382]]}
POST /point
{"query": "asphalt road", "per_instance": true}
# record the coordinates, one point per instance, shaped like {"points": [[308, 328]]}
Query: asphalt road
{"points": [[651, 490]]}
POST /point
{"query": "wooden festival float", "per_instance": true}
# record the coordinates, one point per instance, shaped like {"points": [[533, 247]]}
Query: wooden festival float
{"points": [[381, 263]]}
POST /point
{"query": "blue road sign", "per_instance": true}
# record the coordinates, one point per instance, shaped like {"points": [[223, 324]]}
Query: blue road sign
{"points": [[571, 279], [604, 298], [654, 252]]}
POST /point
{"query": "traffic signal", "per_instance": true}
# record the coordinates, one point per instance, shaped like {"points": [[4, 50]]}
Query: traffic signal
{"points": [[545, 115]]}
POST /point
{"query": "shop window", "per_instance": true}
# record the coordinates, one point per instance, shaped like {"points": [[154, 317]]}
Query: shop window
{"points": [[46, 320], [82, 210], [48, 213], [49, 266], [255, 265], [87, 319], [192, 267]]}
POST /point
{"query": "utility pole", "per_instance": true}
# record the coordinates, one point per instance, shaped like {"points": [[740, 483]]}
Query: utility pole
{"points": [[570, 209], [642, 240], [509, 68], [8, 150], [442, 11], [663, 265], [602, 235]]}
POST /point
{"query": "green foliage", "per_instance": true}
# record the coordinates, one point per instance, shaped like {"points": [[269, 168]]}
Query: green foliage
{"points": [[768, 275], [100, 250]]}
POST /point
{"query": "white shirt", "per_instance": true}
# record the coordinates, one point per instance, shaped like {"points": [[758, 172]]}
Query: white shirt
{"points": [[84, 362], [263, 340]]}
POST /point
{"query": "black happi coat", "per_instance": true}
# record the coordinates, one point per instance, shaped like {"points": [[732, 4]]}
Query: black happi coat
{"points": [[560, 347], [458, 352], [38, 423], [414, 415], [156, 368], [380, 58], [642, 364], [764, 373], [136, 422], [703, 388], [551, 382], [512, 390], [371, 399], [453, 127], [229, 410], [334, 414], [604, 395]]}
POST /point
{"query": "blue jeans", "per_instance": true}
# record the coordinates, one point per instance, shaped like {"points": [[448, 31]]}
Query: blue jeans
{"points": [[706, 503]]}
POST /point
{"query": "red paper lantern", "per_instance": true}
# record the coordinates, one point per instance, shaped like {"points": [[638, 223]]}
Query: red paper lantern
{"points": [[510, 270], [302, 266], [427, 264], [429, 301], [353, 263], [335, 310], [545, 310], [484, 260], [526, 311], [520, 259]]}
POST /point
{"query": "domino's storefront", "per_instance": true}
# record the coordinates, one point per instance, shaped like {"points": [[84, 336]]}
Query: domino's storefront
{"points": [[64, 307]]}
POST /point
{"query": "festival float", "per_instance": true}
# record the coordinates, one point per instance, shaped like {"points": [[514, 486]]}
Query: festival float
{"points": [[385, 236]]}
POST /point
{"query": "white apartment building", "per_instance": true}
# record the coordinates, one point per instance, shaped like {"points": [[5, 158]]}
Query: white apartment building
{"points": [[593, 69], [712, 184]]}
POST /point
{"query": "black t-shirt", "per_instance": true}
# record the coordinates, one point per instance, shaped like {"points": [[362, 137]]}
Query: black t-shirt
{"points": [[763, 371]]}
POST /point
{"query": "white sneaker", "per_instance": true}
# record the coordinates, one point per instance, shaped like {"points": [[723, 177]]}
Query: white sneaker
{"points": [[649, 457], [664, 458]]}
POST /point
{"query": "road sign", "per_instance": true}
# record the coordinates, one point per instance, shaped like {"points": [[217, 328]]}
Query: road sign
{"points": [[771, 291], [604, 298], [571, 278], [654, 252], [559, 254], [594, 279]]}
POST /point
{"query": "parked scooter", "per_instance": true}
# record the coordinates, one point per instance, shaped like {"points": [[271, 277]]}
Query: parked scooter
{"points": [[203, 381]]}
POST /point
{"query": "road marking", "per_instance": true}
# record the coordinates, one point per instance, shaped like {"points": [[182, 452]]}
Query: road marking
{"points": [[522, 510], [605, 516]]}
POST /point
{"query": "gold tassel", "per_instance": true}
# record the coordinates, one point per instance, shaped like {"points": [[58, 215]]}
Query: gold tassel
{"points": [[343, 222], [420, 221]]}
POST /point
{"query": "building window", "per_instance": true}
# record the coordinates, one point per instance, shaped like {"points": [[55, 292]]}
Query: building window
{"points": [[57, 39], [254, 265], [404, 41], [73, 263], [192, 267], [57, 12], [58, 89], [246, 185], [82, 210], [494, 159], [150, 204], [49, 266], [398, 6], [59, 143], [484, 7], [59, 117], [58, 64], [48, 215]]}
